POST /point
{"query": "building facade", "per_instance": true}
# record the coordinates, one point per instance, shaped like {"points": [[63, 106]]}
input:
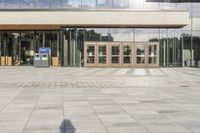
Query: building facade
{"points": [[101, 33]]}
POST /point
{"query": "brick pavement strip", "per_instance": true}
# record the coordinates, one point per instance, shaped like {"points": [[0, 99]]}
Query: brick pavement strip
{"points": [[93, 100]]}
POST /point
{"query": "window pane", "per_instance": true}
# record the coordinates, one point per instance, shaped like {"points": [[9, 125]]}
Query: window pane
{"points": [[98, 35], [148, 35], [121, 3], [136, 4], [102, 54], [43, 3], [59, 3], [74, 3], [167, 5], [13, 4], [122, 34], [186, 6], [127, 54], [115, 54], [151, 5], [140, 53], [104, 3], [27, 3], [152, 54], [90, 54], [2, 4], [196, 10], [86, 3]]}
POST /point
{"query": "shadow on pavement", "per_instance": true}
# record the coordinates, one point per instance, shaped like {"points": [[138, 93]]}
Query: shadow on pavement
{"points": [[67, 127]]}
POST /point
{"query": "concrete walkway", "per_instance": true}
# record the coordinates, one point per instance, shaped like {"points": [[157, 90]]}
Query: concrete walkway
{"points": [[99, 100]]}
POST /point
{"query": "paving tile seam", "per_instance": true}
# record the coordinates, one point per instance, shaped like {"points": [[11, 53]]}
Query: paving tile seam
{"points": [[11, 100], [97, 114], [174, 120], [24, 128], [183, 109], [130, 114]]}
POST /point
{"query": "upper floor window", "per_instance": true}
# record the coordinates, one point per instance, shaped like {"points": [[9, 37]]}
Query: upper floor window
{"points": [[28, 3], [59, 3], [13, 4], [120, 3], [2, 3], [74, 3], [104, 4], [43, 3]]}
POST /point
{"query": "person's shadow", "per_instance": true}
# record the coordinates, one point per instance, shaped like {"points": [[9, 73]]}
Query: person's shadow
{"points": [[67, 127]]}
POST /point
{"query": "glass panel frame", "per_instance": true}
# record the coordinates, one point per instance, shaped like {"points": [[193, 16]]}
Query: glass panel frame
{"points": [[152, 54], [127, 54], [102, 54], [91, 54], [140, 54], [28, 4], [115, 54]]}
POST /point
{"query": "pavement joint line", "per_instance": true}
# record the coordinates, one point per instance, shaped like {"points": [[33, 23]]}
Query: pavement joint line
{"points": [[131, 115], [11, 100], [171, 119], [96, 114], [30, 115]]}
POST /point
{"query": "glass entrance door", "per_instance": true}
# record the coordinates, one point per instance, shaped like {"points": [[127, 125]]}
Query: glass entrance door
{"points": [[140, 55], [90, 55], [121, 54], [102, 59], [153, 55], [115, 55], [147, 54], [126, 55]]}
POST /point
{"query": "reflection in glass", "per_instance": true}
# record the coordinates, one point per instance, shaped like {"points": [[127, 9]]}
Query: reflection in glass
{"points": [[152, 54], [90, 54], [136, 4], [43, 3], [104, 3], [13, 4], [120, 3], [196, 10], [59, 3], [102, 54], [151, 5], [127, 54], [98, 35], [115, 54], [74, 3], [140, 55], [167, 5], [143, 34], [2, 4], [27, 3], [184, 6], [28, 48], [87, 3], [122, 34]]}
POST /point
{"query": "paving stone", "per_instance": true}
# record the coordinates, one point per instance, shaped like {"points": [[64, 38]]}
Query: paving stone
{"points": [[99, 100]]}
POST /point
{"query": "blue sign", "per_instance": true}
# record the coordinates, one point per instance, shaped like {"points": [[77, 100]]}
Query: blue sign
{"points": [[45, 50]]}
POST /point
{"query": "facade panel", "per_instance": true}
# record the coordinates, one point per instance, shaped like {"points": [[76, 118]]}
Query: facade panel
{"points": [[97, 18]]}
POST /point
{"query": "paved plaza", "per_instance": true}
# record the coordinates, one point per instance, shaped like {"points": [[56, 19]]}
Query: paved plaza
{"points": [[99, 100]]}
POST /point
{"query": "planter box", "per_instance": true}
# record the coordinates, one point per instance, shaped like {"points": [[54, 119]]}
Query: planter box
{"points": [[55, 61]]}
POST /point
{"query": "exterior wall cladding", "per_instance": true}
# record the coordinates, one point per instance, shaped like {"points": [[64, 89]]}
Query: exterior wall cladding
{"points": [[179, 44]]}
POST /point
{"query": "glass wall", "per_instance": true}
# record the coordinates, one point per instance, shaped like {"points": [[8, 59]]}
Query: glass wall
{"points": [[28, 4], [19, 47], [119, 4], [2, 4]]}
